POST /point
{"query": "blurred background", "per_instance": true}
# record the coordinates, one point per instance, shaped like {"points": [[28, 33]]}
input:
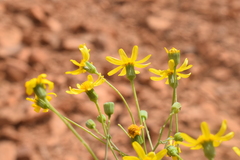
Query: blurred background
{"points": [[41, 36]]}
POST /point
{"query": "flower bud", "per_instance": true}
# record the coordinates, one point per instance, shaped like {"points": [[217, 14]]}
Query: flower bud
{"points": [[92, 95], [178, 137], [40, 91], [176, 107], [144, 114], [108, 108], [173, 54], [131, 75], [90, 68], [90, 124], [172, 151], [101, 118], [209, 150]]}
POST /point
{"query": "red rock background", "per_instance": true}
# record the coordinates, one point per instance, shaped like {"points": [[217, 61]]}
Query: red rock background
{"points": [[41, 36]]}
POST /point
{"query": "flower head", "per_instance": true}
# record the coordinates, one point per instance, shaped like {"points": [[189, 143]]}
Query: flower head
{"points": [[83, 63], [126, 61], [165, 73], [143, 156], [236, 150], [87, 85], [40, 80], [134, 130], [38, 104], [208, 141]]}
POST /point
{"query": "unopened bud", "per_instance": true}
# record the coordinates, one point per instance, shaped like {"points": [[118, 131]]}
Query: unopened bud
{"points": [[144, 114], [101, 118], [178, 137], [90, 124], [108, 108], [176, 107]]}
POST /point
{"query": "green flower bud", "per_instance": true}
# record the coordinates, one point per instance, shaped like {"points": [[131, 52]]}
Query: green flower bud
{"points": [[176, 107], [144, 114], [40, 91], [90, 124], [92, 95], [42, 103], [131, 75], [172, 151], [173, 54], [138, 139], [209, 150], [102, 118], [108, 108], [90, 68], [178, 137]]}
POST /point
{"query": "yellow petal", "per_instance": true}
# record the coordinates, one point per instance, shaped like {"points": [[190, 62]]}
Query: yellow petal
{"points": [[130, 158], [236, 150], [205, 129], [123, 72], [184, 75], [171, 64], [134, 53], [123, 55], [139, 150], [115, 70], [227, 137], [144, 59], [142, 65], [161, 154], [157, 78], [114, 60], [188, 138], [222, 129], [75, 62]]}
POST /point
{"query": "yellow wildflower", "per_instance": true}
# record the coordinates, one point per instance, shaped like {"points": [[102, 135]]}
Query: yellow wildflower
{"points": [[134, 130], [125, 61], [40, 80], [165, 73], [85, 54], [36, 104], [236, 150], [208, 141], [87, 85], [143, 156]]}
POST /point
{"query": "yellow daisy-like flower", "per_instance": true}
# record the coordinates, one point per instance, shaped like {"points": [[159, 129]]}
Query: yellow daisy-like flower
{"points": [[87, 85], [236, 150], [85, 54], [125, 61], [36, 106], [206, 136], [40, 80], [134, 130], [165, 73], [143, 156]]}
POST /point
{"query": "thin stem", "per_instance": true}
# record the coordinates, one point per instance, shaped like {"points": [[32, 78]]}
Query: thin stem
{"points": [[138, 110], [125, 102], [148, 135], [81, 127], [161, 131], [73, 131]]}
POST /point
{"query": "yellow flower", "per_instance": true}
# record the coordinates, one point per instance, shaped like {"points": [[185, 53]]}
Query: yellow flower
{"points": [[85, 54], [142, 155], [125, 61], [36, 106], [172, 51], [206, 136], [165, 73], [134, 130], [236, 150], [87, 85], [40, 80]]}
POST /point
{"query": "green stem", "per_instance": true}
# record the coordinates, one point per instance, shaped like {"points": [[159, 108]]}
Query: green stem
{"points": [[109, 139], [125, 102], [73, 131], [148, 135], [161, 131], [81, 127], [138, 110]]}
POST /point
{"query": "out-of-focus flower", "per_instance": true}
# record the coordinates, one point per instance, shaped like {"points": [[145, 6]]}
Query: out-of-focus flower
{"points": [[143, 156], [165, 73], [40, 80], [126, 61], [87, 85], [40, 104], [208, 141], [82, 64]]}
